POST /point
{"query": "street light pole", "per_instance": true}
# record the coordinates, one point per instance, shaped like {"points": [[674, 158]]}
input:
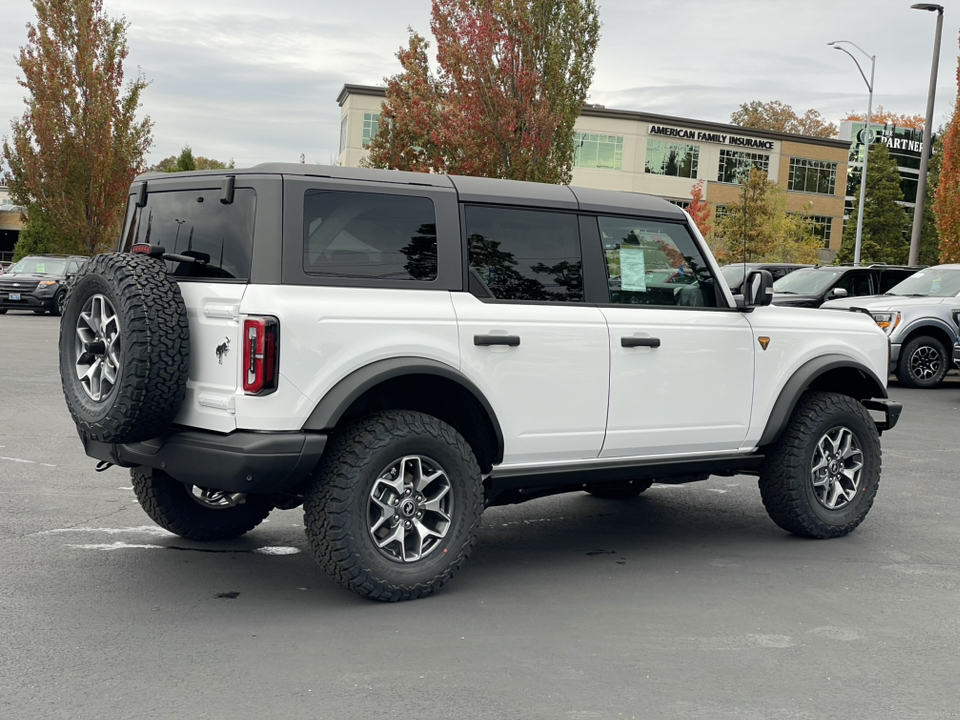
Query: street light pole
{"points": [[925, 149], [866, 136]]}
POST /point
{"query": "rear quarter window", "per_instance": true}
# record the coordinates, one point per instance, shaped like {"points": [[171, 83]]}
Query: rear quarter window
{"points": [[369, 235]]}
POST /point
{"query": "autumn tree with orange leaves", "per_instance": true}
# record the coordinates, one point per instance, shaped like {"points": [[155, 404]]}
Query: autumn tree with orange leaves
{"points": [[947, 205], [880, 116], [513, 76], [699, 209], [79, 144]]}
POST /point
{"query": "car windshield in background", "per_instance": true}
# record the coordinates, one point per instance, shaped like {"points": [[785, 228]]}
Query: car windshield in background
{"points": [[932, 282], [38, 266], [806, 282], [732, 275]]}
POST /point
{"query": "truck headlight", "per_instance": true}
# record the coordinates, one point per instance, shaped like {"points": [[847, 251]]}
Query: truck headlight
{"points": [[46, 283], [888, 321]]}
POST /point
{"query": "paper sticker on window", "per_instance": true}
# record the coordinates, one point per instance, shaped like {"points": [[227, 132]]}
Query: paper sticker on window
{"points": [[633, 272]]}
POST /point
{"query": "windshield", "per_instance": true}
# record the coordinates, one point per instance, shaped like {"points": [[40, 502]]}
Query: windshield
{"points": [[733, 274], [932, 282], [810, 281], [38, 266]]}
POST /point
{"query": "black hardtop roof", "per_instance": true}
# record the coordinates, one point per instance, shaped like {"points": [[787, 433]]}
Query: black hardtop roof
{"points": [[469, 189]]}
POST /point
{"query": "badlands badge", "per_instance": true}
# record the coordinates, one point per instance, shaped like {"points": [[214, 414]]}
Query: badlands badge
{"points": [[764, 341]]}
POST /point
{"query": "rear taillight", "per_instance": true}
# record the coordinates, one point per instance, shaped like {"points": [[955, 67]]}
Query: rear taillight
{"points": [[261, 355]]}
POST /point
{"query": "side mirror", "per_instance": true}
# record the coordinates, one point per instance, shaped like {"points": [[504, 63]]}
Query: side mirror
{"points": [[757, 290], [838, 293]]}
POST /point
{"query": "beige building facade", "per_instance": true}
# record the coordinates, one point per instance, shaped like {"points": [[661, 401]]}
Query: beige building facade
{"points": [[666, 156]]}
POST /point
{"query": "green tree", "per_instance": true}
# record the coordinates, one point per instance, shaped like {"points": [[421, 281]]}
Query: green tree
{"points": [[187, 161], [777, 116], [513, 76], [885, 222], [759, 228], [38, 236], [79, 144]]}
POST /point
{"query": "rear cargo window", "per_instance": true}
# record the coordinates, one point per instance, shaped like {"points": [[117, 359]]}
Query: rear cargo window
{"points": [[195, 222], [368, 235]]}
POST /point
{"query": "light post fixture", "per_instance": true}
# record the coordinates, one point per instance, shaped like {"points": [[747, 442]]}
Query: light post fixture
{"points": [[925, 148], [866, 136]]}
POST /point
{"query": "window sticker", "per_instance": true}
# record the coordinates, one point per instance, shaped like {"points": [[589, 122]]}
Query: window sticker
{"points": [[633, 273]]}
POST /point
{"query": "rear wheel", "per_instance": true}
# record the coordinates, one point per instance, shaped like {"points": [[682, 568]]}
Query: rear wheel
{"points": [[621, 492], [820, 478], [922, 362], [393, 510], [196, 513]]}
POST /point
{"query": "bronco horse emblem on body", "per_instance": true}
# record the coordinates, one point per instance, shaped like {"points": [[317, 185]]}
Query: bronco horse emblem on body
{"points": [[222, 350]]}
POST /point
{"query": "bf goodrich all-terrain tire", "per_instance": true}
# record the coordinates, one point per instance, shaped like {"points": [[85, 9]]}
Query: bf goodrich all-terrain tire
{"points": [[124, 348], [922, 362], [393, 510], [621, 492], [820, 478], [193, 514]]}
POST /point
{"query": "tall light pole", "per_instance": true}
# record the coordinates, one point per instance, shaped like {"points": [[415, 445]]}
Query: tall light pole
{"points": [[925, 149], [866, 136]]}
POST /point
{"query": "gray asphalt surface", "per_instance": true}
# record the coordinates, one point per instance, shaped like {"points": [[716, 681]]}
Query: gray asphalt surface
{"points": [[687, 602]]}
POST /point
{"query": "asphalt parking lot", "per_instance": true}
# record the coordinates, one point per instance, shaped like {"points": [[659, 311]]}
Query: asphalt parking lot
{"points": [[687, 602]]}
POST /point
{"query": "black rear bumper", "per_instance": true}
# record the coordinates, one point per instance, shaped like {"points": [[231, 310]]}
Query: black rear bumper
{"points": [[242, 461]]}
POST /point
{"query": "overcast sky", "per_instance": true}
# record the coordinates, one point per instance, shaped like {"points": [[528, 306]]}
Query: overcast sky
{"points": [[258, 81]]}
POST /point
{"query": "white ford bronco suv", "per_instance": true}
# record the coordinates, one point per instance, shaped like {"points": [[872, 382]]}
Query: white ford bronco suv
{"points": [[397, 351]]}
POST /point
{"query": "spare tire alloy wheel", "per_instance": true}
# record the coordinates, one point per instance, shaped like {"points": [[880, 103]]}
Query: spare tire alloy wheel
{"points": [[97, 348], [393, 509], [124, 348], [820, 477]]}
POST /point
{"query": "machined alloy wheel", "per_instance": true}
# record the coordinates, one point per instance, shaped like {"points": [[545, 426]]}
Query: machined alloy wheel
{"points": [[59, 302], [410, 507], [925, 362], [837, 464], [97, 347]]}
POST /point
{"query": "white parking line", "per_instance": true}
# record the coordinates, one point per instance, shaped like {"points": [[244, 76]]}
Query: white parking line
{"points": [[28, 462]]}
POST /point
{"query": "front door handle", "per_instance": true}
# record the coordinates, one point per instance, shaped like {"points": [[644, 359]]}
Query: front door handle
{"points": [[639, 342], [486, 340]]}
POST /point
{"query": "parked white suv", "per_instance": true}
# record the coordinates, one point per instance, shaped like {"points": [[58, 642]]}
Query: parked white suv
{"points": [[397, 351]]}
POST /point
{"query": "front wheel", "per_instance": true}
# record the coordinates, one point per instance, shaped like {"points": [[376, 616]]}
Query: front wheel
{"points": [[821, 476], [922, 362], [58, 303], [196, 513], [393, 510]]}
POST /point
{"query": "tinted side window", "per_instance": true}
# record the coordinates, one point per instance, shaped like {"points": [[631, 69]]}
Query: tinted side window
{"points": [[650, 262], [889, 278], [195, 222], [368, 235], [857, 283], [525, 254]]}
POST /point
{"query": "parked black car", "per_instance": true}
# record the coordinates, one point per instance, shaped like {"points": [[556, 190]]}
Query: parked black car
{"points": [[811, 287], [38, 283], [734, 273]]}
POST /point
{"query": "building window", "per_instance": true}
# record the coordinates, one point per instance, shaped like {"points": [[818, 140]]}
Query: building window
{"points": [[675, 159], [720, 211], [735, 165], [371, 123], [821, 227], [343, 133], [597, 151], [679, 203], [813, 176]]}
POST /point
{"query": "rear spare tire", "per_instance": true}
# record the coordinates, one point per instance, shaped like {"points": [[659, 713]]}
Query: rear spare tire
{"points": [[124, 348]]}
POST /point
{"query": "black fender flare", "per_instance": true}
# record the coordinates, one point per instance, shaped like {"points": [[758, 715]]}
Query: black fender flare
{"points": [[801, 380], [341, 396]]}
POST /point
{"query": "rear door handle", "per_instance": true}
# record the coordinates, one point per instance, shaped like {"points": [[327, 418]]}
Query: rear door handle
{"points": [[629, 342], [485, 340]]}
